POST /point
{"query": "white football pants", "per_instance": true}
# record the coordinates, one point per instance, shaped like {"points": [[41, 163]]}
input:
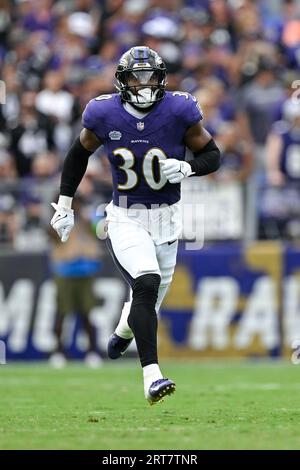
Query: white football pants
{"points": [[137, 252]]}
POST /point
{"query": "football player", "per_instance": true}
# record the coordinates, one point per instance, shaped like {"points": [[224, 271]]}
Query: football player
{"points": [[145, 131]]}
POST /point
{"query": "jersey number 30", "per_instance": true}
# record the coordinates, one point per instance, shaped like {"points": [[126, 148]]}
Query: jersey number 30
{"points": [[147, 168]]}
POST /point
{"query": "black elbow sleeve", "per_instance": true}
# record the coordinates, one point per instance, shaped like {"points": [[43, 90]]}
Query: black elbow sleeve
{"points": [[207, 160], [74, 167]]}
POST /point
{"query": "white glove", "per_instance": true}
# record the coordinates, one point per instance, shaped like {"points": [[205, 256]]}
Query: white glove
{"points": [[62, 221], [175, 170]]}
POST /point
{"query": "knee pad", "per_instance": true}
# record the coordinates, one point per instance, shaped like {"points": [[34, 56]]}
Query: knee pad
{"points": [[145, 289]]}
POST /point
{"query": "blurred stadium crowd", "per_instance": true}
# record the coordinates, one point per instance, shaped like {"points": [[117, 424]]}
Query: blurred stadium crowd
{"points": [[239, 57]]}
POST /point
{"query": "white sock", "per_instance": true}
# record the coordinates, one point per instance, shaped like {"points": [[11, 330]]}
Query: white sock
{"points": [[151, 373], [123, 329]]}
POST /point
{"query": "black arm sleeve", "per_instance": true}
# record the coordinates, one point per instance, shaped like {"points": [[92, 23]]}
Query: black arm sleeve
{"points": [[207, 160], [74, 167]]}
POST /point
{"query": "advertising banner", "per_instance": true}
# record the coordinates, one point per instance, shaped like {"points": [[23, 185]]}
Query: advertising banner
{"points": [[224, 300]]}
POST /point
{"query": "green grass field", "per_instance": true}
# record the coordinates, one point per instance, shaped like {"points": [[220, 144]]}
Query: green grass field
{"points": [[217, 405]]}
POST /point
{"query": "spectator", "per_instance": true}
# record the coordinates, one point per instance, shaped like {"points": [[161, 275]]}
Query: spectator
{"points": [[53, 101], [32, 135], [236, 154], [259, 100], [74, 267], [279, 208], [283, 147], [56, 55]]}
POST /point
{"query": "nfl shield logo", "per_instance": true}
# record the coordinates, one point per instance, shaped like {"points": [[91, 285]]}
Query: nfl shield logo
{"points": [[140, 126]]}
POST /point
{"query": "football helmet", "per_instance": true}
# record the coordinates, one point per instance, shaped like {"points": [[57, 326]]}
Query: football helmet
{"points": [[141, 77]]}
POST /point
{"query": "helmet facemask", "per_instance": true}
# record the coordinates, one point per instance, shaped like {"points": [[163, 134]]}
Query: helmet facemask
{"points": [[142, 87]]}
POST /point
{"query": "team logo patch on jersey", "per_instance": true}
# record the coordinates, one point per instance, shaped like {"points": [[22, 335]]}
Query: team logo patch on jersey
{"points": [[140, 126], [115, 135]]}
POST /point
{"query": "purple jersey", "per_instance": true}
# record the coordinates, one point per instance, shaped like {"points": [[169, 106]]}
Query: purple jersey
{"points": [[135, 145]]}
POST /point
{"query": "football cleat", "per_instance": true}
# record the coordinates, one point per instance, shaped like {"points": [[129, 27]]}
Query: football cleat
{"points": [[160, 389], [117, 346]]}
